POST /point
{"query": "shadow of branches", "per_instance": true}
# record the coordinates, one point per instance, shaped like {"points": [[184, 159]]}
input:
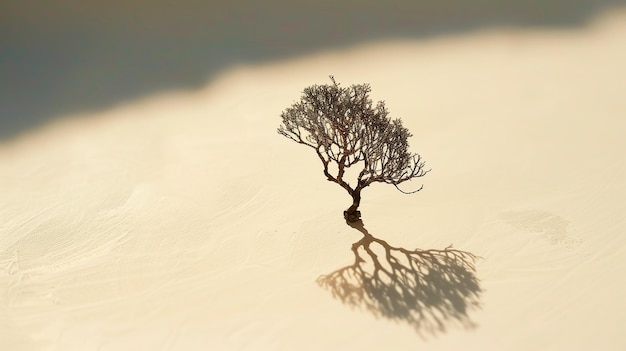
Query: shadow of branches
{"points": [[429, 289]]}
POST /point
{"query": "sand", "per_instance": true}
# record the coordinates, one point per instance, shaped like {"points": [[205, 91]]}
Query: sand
{"points": [[183, 221]]}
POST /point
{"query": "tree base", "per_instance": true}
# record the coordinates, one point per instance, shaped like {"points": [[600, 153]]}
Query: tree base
{"points": [[353, 216]]}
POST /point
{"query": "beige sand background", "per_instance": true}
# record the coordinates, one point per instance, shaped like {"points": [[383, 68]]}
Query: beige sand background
{"points": [[182, 221]]}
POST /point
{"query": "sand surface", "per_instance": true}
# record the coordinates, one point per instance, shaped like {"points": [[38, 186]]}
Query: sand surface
{"points": [[183, 221]]}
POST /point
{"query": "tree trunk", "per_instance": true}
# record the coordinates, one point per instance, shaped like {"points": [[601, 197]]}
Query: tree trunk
{"points": [[352, 214]]}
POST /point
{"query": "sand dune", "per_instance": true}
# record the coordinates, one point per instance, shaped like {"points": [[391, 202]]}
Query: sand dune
{"points": [[184, 222]]}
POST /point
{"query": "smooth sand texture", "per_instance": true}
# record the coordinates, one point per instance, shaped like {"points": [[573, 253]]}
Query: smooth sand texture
{"points": [[184, 222]]}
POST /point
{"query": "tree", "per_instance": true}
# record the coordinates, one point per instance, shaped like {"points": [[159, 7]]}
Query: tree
{"points": [[346, 130]]}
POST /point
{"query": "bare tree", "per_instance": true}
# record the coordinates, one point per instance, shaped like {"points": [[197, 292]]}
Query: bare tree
{"points": [[345, 129]]}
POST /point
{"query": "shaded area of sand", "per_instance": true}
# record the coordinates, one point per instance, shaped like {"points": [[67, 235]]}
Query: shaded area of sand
{"points": [[68, 56]]}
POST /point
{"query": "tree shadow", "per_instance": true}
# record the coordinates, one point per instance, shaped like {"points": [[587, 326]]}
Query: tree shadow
{"points": [[429, 289]]}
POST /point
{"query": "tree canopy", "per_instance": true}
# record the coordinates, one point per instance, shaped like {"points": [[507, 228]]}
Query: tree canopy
{"points": [[346, 129]]}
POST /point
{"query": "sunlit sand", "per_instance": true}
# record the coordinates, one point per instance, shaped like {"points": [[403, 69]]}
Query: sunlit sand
{"points": [[183, 221]]}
